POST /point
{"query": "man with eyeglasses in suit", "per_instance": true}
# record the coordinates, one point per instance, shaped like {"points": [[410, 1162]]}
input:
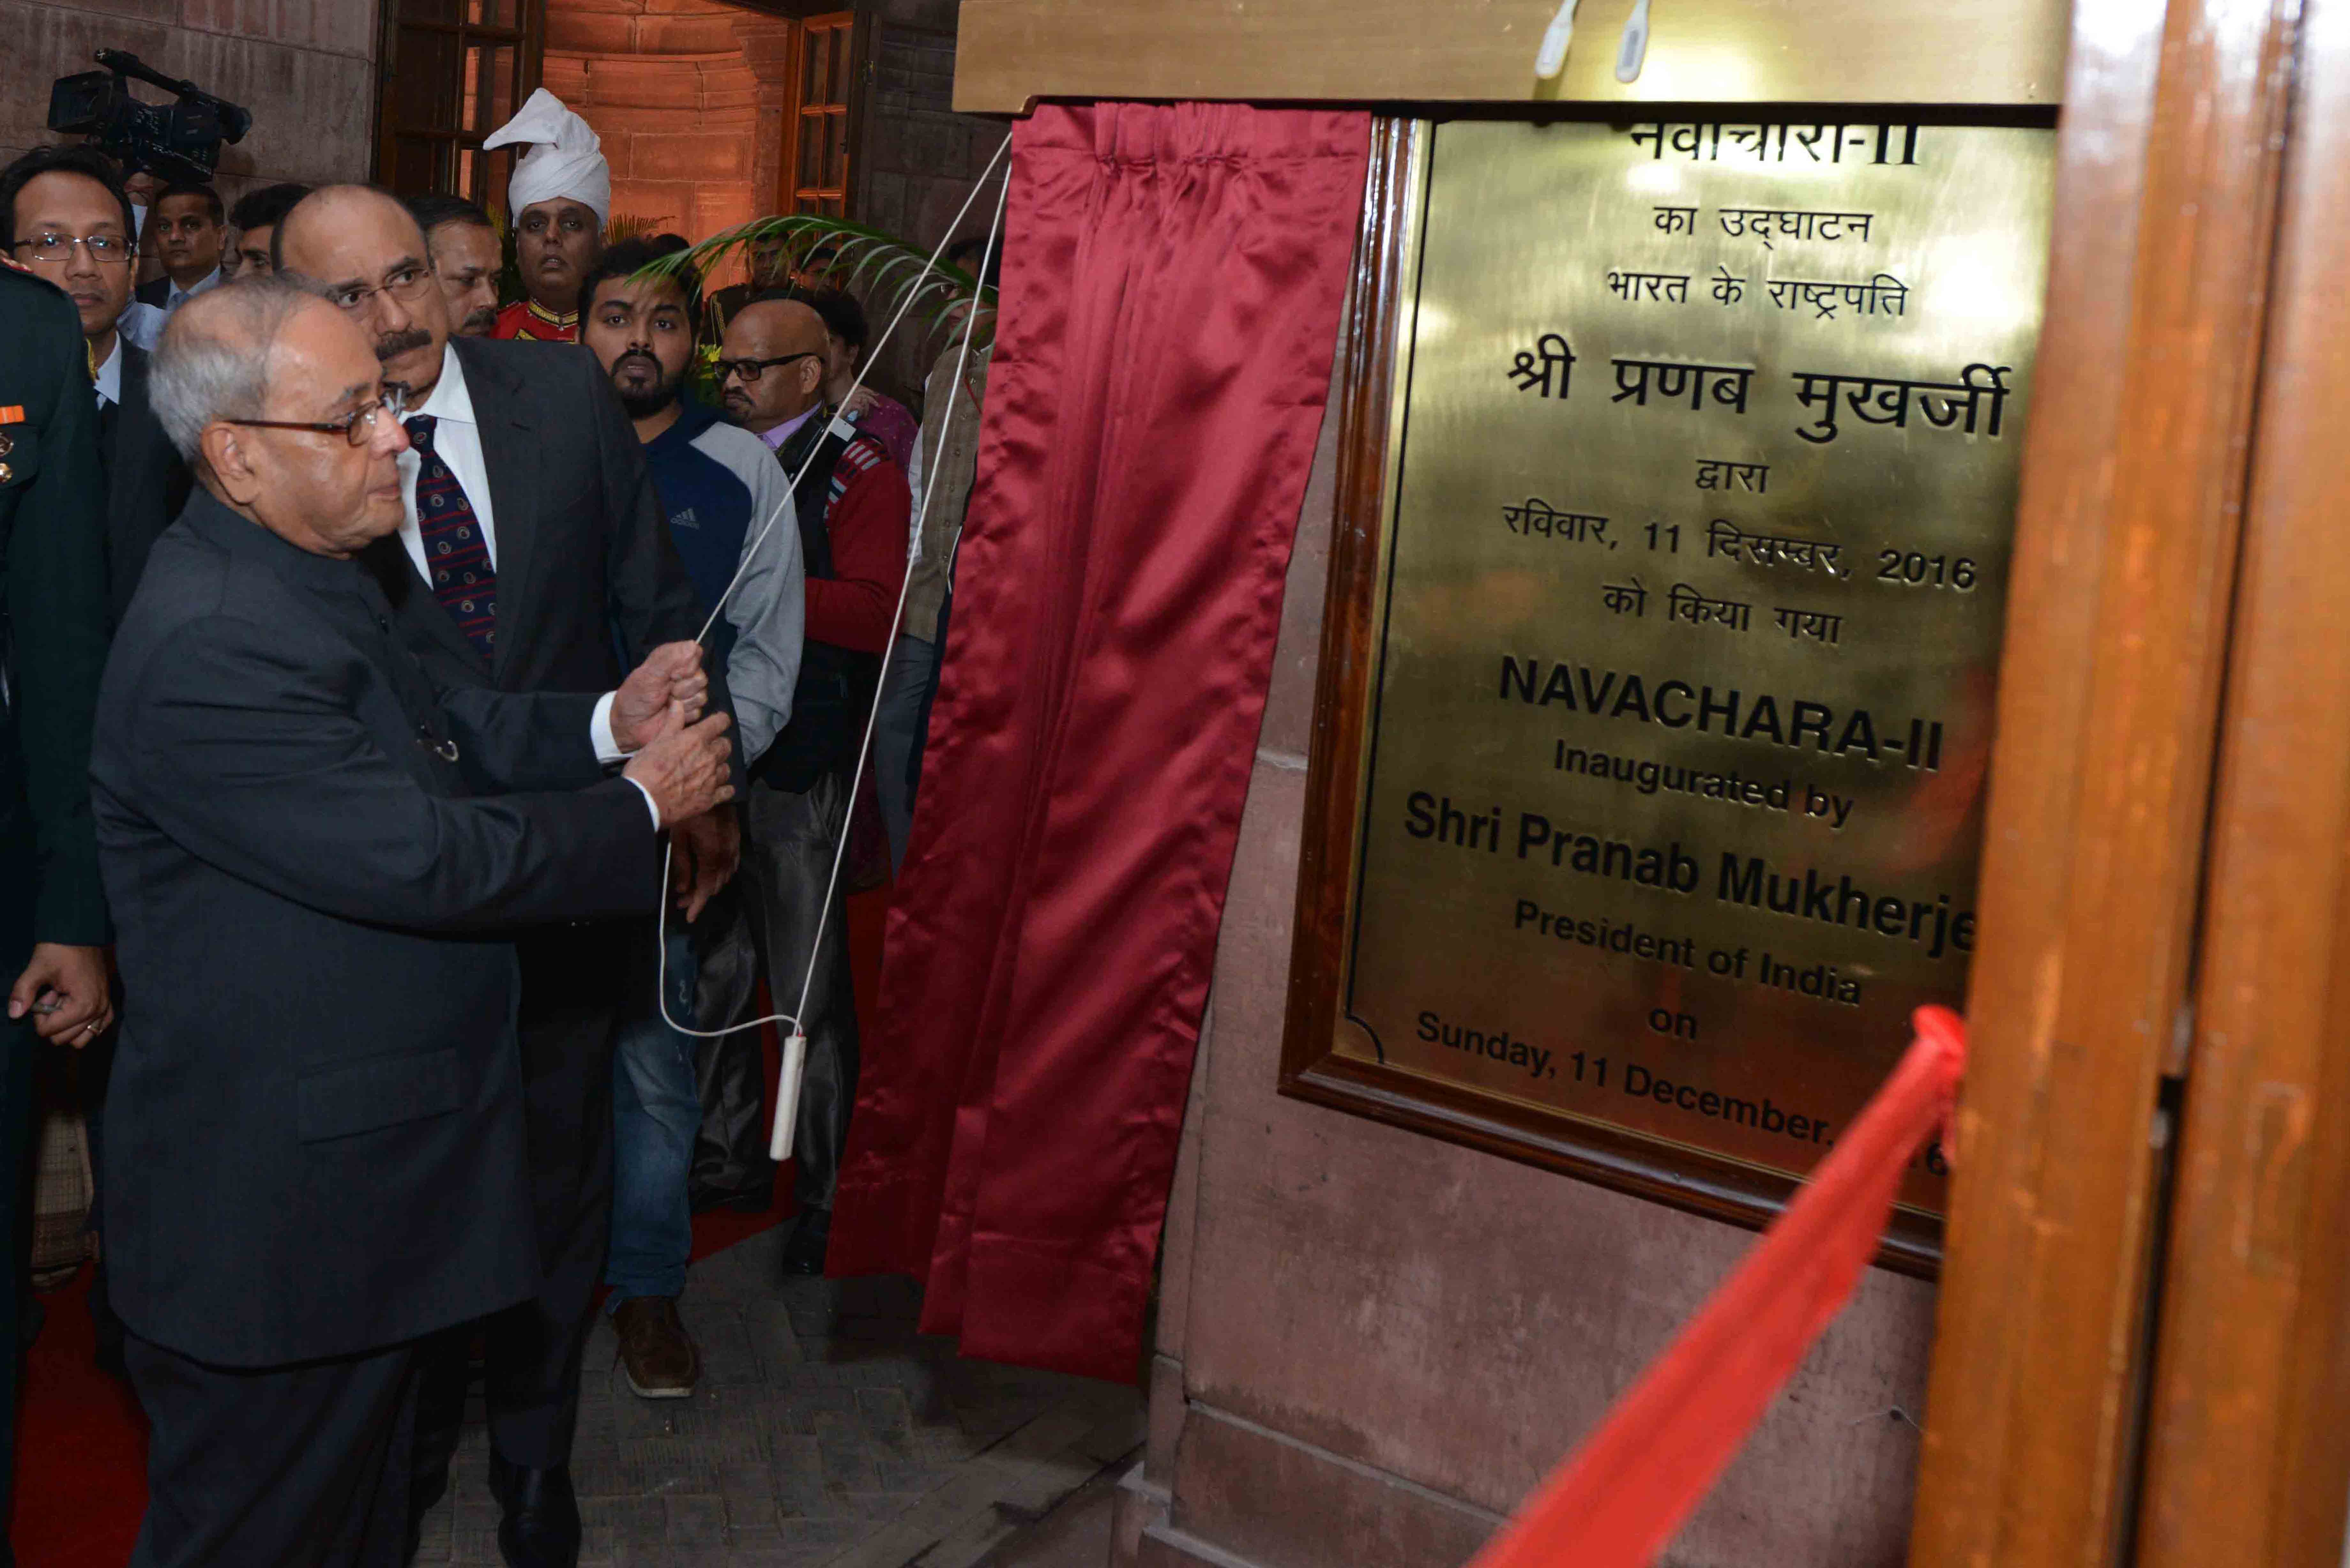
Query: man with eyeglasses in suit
{"points": [[68, 221], [318, 1153], [53, 925], [532, 535]]}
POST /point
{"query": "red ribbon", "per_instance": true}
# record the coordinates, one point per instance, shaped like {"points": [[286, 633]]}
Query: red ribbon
{"points": [[1619, 1499]]}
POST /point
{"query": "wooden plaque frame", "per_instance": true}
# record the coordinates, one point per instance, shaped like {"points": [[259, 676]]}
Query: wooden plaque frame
{"points": [[1687, 1177]]}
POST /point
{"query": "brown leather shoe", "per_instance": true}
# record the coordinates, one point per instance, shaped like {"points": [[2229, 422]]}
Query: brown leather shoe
{"points": [[655, 1350]]}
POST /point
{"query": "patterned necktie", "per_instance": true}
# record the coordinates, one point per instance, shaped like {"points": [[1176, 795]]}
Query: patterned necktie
{"points": [[456, 557]]}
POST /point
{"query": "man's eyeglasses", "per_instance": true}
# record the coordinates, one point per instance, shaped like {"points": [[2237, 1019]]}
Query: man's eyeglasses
{"points": [[751, 369], [407, 286], [55, 250], [358, 427]]}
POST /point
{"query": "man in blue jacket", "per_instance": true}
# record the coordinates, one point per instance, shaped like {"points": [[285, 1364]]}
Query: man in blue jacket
{"points": [[728, 506]]}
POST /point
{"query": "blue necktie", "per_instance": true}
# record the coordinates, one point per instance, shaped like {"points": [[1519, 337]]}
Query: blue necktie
{"points": [[456, 555]]}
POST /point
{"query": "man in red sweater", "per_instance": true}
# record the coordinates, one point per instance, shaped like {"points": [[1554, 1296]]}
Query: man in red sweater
{"points": [[853, 511]]}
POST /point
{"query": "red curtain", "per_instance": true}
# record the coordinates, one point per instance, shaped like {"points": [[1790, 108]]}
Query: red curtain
{"points": [[1173, 277]]}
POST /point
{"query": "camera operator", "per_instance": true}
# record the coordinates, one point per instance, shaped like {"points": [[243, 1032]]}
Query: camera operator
{"points": [[189, 224]]}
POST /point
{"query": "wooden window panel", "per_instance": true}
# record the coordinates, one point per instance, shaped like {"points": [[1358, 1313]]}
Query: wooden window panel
{"points": [[455, 71], [822, 122]]}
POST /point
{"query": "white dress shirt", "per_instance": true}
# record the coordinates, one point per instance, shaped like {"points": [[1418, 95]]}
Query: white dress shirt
{"points": [[457, 442]]}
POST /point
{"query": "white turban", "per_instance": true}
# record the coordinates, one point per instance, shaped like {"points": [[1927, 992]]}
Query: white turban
{"points": [[566, 159]]}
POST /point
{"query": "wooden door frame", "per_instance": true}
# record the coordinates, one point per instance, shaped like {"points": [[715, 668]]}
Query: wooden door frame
{"points": [[2117, 621], [2247, 1461]]}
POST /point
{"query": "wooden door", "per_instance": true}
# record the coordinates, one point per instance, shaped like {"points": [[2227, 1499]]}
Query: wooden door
{"points": [[2142, 1353], [2247, 1461]]}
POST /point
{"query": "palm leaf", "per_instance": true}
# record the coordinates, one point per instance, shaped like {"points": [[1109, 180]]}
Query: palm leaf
{"points": [[887, 272]]}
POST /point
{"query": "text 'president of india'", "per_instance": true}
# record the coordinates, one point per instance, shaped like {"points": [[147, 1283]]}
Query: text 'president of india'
{"points": [[314, 1145]]}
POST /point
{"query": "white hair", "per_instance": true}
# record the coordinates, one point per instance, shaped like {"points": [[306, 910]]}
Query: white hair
{"points": [[212, 363]]}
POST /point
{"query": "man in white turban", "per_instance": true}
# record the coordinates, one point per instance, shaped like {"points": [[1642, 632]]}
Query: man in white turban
{"points": [[560, 198]]}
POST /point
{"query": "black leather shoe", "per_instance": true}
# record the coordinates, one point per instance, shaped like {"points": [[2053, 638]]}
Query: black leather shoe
{"points": [[540, 1527], [804, 1249]]}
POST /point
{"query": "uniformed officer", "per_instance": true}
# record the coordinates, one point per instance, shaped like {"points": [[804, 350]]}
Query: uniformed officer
{"points": [[53, 621]]}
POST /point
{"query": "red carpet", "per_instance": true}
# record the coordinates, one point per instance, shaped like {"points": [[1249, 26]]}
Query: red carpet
{"points": [[81, 1450]]}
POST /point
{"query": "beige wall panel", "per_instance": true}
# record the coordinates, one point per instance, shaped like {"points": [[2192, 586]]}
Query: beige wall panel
{"points": [[1015, 52]]}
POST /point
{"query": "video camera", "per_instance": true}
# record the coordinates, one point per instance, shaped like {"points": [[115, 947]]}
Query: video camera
{"points": [[176, 142]]}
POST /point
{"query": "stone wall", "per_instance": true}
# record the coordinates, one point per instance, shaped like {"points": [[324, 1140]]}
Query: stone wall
{"points": [[305, 67], [1371, 1344], [919, 158]]}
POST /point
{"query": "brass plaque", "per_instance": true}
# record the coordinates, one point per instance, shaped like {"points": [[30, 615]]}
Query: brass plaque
{"points": [[1702, 476]]}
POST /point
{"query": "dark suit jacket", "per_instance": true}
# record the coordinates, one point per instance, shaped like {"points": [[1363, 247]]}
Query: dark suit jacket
{"points": [[587, 574], [147, 481], [52, 626], [315, 1135]]}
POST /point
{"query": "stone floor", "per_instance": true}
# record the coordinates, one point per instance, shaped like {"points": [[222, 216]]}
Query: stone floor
{"points": [[826, 1431]]}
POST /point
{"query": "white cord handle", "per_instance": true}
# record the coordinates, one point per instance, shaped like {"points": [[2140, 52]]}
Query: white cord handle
{"points": [[1551, 58], [1633, 46]]}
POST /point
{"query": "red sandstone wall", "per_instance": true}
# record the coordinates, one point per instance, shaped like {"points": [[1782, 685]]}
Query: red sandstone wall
{"points": [[674, 88]]}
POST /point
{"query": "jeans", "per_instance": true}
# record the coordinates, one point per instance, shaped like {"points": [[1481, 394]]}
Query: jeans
{"points": [[656, 1111], [906, 683]]}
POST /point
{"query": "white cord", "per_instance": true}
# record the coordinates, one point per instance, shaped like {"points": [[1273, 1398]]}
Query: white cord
{"points": [[788, 1088], [1551, 58]]}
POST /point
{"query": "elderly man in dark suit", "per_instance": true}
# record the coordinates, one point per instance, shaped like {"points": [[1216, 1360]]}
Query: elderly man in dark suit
{"points": [[53, 925], [312, 848], [532, 540]]}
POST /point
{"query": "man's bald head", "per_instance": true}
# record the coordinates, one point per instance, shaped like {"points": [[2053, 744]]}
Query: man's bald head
{"points": [[784, 340], [360, 249], [783, 326]]}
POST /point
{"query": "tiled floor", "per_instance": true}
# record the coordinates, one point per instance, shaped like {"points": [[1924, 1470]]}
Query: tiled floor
{"points": [[826, 1431]]}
